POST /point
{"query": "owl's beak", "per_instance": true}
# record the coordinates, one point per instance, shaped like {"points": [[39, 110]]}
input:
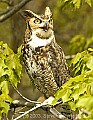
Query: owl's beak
{"points": [[45, 27]]}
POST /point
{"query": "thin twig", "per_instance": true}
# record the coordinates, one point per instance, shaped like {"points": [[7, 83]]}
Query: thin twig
{"points": [[13, 10], [25, 97], [20, 103]]}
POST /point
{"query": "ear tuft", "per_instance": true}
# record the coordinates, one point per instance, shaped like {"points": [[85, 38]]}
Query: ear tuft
{"points": [[48, 12], [27, 14]]}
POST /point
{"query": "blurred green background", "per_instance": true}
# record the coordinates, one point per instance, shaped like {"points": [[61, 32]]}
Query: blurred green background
{"points": [[73, 31]]}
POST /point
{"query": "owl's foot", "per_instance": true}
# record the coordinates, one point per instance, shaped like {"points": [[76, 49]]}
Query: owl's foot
{"points": [[48, 101]]}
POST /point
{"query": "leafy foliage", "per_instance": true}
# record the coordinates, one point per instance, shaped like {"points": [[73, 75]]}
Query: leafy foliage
{"points": [[10, 73], [78, 91], [76, 3], [79, 43], [82, 62]]}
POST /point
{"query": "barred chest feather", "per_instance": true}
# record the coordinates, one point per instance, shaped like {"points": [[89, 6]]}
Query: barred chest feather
{"points": [[46, 66]]}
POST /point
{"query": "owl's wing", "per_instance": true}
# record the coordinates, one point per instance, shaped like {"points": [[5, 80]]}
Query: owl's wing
{"points": [[58, 64]]}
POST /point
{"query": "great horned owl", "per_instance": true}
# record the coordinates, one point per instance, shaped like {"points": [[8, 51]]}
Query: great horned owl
{"points": [[43, 58]]}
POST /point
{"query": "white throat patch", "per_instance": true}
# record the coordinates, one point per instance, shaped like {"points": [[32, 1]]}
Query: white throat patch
{"points": [[38, 42]]}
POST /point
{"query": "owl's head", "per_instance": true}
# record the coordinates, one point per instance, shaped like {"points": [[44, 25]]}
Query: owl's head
{"points": [[40, 25]]}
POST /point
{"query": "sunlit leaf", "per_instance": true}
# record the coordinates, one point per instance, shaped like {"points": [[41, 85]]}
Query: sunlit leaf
{"points": [[66, 96], [85, 102], [10, 73], [4, 86], [4, 107], [90, 63], [90, 49], [5, 97], [72, 105], [77, 3], [89, 2], [19, 51], [76, 58]]}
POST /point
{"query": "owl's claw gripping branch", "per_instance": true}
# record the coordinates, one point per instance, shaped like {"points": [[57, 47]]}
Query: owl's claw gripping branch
{"points": [[48, 101], [35, 105]]}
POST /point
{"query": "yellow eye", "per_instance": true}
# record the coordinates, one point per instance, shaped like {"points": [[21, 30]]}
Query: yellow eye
{"points": [[51, 21], [37, 21]]}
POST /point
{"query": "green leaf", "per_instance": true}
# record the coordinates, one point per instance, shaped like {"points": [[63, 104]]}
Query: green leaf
{"points": [[66, 96], [1, 72], [85, 102], [76, 94], [76, 58], [89, 2], [77, 3], [4, 86], [59, 95], [4, 107], [77, 44], [5, 97], [90, 63], [19, 53], [1, 43], [10, 64], [90, 49], [72, 105], [92, 89], [77, 69], [10, 72]]}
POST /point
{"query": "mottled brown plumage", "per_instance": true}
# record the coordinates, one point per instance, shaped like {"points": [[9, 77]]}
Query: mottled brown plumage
{"points": [[43, 58], [45, 65], [51, 70]]}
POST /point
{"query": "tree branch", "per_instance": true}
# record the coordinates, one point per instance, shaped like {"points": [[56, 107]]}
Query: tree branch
{"points": [[20, 103], [45, 104], [13, 10], [30, 110]]}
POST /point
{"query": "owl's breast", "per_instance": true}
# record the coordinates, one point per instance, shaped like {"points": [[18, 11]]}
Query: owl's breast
{"points": [[46, 66], [38, 67]]}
